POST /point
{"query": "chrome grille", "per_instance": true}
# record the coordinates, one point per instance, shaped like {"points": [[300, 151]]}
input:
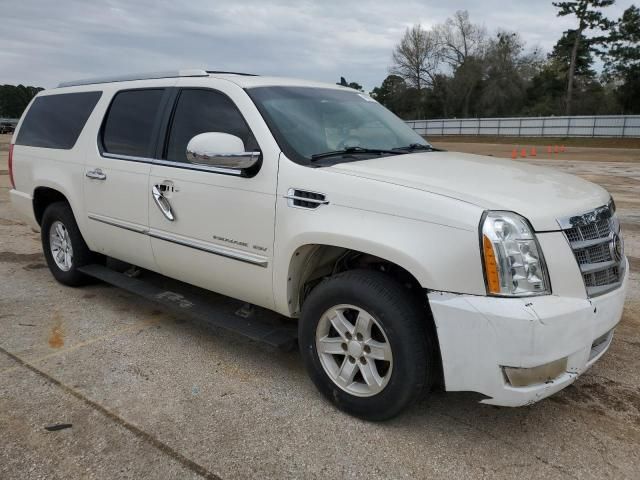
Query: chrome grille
{"points": [[598, 247]]}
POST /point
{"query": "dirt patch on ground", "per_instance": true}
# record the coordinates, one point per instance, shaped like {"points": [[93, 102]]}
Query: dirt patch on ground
{"points": [[12, 257], [603, 397], [7, 222]]}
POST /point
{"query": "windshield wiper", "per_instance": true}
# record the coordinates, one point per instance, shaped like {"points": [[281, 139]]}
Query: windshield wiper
{"points": [[348, 150], [414, 146]]}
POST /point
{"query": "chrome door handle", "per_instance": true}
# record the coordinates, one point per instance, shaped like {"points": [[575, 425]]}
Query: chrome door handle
{"points": [[162, 203], [96, 174]]}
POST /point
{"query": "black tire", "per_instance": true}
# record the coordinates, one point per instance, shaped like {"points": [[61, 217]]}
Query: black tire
{"points": [[61, 212], [404, 322]]}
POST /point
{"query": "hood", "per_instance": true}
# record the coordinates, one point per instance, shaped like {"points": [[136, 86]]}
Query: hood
{"points": [[540, 194]]}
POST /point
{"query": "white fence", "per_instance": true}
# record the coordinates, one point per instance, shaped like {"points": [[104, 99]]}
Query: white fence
{"points": [[594, 126]]}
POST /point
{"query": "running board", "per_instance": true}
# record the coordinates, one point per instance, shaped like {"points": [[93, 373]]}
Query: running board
{"points": [[209, 308]]}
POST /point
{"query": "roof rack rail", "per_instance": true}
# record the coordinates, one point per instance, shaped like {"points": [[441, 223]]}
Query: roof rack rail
{"points": [[232, 73], [137, 76]]}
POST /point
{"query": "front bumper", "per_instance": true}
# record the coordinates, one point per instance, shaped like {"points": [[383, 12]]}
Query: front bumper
{"points": [[480, 335]]}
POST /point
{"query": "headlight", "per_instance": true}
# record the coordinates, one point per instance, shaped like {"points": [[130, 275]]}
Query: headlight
{"points": [[513, 261]]}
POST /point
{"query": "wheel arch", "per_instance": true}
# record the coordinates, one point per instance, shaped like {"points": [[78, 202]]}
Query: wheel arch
{"points": [[44, 196], [312, 262]]}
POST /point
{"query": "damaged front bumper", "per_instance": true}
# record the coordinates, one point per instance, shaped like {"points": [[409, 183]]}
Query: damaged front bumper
{"points": [[496, 346]]}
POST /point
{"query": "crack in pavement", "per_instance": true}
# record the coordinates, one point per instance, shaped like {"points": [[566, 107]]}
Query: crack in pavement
{"points": [[137, 431]]}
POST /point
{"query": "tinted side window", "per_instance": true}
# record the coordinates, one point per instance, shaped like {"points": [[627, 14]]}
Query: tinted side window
{"points": [[129, 126], [55, 121], [200, 111]]}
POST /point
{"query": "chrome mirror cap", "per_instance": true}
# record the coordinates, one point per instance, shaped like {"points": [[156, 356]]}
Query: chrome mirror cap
{"points": [[220, 150]]}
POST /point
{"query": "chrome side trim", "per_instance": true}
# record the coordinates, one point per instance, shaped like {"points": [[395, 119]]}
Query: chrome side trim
{"points": [[131, 158], [226, 252], [170, 163], [118, 223], [210, 248], [192, 166]]}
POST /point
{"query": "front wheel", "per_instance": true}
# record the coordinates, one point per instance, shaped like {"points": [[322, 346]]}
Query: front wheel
{"points": [[364, 342]]}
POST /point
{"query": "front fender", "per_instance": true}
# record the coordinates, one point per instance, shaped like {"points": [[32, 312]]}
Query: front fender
{"points": [[439, 257]]}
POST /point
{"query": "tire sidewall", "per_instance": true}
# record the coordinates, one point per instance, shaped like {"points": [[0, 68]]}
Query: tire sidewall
{"points": [[398, 319]]}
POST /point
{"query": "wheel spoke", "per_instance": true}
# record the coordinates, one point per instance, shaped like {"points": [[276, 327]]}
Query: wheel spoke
{"points": [[364, 323], [379, 350], [370, 374], [341, 324], [60, 231], [331, 345], [347, 372]]}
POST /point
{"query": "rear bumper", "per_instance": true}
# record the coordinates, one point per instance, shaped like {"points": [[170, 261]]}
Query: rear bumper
{"points": [[23, 204], [480, 335]]}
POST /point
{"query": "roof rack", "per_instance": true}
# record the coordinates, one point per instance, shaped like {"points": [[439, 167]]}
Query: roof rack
{"points": [[231, 73], [138, 76]]}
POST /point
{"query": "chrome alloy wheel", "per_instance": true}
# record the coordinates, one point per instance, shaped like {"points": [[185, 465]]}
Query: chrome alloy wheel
{"points": [[60, 245], [354, 350]]}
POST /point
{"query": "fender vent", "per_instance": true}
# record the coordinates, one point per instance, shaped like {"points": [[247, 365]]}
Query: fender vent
{"points": [[305, 199]]}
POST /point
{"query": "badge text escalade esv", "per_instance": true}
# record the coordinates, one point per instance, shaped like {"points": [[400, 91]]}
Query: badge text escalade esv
{"points": [[403, 265]]}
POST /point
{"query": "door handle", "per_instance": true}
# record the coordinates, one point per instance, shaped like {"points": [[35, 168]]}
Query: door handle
{"points": [[162, 203], [96, 174]]}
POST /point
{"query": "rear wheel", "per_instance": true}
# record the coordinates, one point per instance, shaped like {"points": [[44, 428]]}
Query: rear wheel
{"points": [[63, 246], [365, 344]]}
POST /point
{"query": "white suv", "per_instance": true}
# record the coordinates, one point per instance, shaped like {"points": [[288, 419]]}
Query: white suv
{"points": [[404, 265]]}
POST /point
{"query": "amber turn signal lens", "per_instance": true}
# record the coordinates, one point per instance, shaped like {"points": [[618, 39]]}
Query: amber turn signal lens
{"points": [[490, 266]]}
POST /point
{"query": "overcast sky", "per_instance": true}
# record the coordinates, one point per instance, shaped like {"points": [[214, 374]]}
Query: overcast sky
{"points": [[48, 41]]}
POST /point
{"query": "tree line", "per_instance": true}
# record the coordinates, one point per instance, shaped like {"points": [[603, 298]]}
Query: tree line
{"points": [[457, 69], [15, 98]]}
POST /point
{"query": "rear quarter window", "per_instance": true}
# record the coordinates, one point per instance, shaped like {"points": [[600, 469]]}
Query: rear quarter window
{"points": [[56, 121]]}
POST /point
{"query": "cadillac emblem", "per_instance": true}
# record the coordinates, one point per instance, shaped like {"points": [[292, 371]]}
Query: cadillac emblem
{"points": [[616, 247]]}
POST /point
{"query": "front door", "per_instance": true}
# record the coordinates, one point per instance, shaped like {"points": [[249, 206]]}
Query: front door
{"points": [[116, 176], [212, 227]]}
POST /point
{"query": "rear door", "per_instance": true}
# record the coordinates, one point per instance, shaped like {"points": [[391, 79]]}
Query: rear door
{"points": [[117, 172], [221, 234]]}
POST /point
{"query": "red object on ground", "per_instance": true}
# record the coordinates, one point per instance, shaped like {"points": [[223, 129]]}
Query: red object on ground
{"points": [[534, 153], [514, 154], [557, 149], [523, 153], [562, 148]]}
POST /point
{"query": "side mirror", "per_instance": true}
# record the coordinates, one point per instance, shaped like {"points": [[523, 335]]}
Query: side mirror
{"points": [[221, 150]]}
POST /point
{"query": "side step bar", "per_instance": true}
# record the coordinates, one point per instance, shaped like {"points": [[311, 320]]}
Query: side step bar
{"points": [[211, 309]]}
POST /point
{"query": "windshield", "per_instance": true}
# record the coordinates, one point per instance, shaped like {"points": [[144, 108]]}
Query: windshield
{"points": [[310, 122]]}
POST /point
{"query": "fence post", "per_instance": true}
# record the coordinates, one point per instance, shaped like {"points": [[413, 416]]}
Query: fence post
{"points": [[593, 130], [568, 125], [520, 127], [499, 126], [544, 119], [624, 126]]}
